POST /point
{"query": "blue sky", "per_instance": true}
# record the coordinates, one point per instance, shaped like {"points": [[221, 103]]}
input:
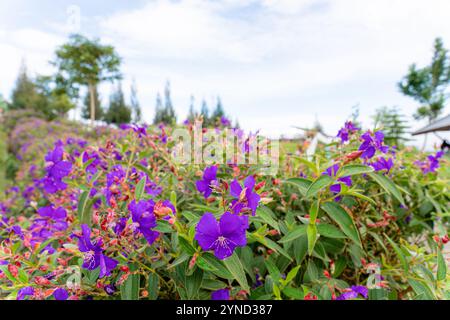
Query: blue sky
{"points": [[275, 63]]}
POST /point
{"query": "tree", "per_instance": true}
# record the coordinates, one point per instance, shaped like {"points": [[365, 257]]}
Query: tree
{"points": [[158, 118], [54, 102], [134, 102], [204, 112], [84, 62], [428, 85], [393, 123], [86, 110], [192, 115], [24, 94], [218, 111], [165, 114], [118, 111]]}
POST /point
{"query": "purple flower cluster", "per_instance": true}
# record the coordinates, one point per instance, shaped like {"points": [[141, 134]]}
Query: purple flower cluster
{"points": [[224, 236], [57, 169], [353, 293], [336, 188], [209, 181], [382, 164], [372, 142], [348, 129], [93, 253], [431, 164], [245, 198], [144, 219]]}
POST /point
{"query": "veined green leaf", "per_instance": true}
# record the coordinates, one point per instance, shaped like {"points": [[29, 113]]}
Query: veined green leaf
{"points": [[343, 219], [399, 253], [294, 233], [235, 267], [387, 185], [140, 187], [353, 169], [311, 231], [267, 216], [329, 231], [300, 183], [318, 184], [442, 266]]}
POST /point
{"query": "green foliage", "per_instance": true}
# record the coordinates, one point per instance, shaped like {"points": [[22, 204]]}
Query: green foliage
{"points": [[428, 85], [393, 124], [118, 112], [86, 109], [165, 114]]}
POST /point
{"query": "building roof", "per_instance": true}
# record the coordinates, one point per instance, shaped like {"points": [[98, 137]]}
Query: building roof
{"points": [[442, 124]]}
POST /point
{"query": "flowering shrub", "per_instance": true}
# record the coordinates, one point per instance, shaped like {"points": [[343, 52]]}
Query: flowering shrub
{"points": [[108, 214]]}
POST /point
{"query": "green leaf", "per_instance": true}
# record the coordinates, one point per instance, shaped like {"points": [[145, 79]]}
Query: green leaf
{"points": [[233, 264], [193, 283], [354, 169], [267, 216], [329, 231], [84, 208], [421, 289], [273, 270], [295, 233], [442, 266], [320, 183], [342, 218], [294, 293], [129, 290], [140, 187], [291, 275], [388, 186], [314, 211], [358, 195], [311, 231], [185, 245], [399, 253], [153, 286], [300, 183], [270, 244], [221, 269], [203, 264]]}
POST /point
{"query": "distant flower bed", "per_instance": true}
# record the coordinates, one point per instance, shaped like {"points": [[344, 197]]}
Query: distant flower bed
{"points": [[107, 214]]}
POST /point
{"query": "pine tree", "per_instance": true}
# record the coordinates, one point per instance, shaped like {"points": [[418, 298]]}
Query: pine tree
{"points": [[192, 115], [25, 95], [169, 114], [218, 112], [204, 112], [393, 124], [118, 112], [158, 118], [86, 109], [137, 114]]}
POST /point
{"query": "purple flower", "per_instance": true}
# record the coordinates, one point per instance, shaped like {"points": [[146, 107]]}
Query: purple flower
{"points": [[120, 226], [223, 236], [57, 168], [110, 289], [348, 129], [93, 253], [205, 186], [26, 291], [431, 164], [382, 164], [336, 188], [144, 219], [372, 143], [224, 121], [221, 294], [246, 199], [60, 294], [353, 293]]}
